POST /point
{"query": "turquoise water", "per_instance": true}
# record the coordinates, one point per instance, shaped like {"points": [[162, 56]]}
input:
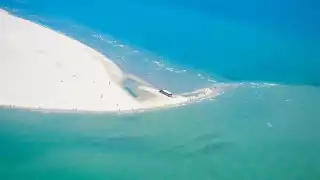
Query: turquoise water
{"points": [[223, 139], [255, 131]]}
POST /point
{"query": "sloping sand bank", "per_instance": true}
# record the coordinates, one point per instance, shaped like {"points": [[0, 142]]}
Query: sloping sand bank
{"points": [[43, 69]]}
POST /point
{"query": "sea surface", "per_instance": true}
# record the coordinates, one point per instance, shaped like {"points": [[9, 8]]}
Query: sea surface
{"points": [[267, 128]]}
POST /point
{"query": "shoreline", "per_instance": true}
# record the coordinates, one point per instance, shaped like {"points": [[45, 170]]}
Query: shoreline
{"points": [[140, 110], [67, 75]]}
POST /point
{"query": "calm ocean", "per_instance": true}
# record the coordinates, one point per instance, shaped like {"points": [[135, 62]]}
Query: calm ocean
{"points": [[266, 129]]}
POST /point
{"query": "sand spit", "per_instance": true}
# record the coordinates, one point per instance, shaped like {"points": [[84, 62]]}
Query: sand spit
{"points": [[43, 69]]}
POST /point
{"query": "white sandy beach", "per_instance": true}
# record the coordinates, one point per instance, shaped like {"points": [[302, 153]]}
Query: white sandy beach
{"points": [[43, 69]]}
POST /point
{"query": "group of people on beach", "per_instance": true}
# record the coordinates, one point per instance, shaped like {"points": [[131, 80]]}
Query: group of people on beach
{"points": [[101, 96]]}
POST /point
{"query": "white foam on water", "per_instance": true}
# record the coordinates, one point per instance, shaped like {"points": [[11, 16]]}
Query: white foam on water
{"points": [[211, 80], [169, 69], [269, 125], [159, 63], [119, 45], [260, 85], [180, 71], [98, 36]]}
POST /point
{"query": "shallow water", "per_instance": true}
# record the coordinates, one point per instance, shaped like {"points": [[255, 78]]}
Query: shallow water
{"points": [[255, 131], [249, 133]]}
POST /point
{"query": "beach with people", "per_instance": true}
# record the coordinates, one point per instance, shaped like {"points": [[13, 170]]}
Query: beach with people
{"points": [[45, 69]]}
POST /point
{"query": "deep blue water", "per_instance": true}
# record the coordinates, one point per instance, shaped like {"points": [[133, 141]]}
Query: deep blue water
{"points": [[255, 131], [269, 40]]}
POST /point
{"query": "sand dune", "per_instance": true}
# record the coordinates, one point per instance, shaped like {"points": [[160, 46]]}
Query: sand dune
{"points": [[43, 69]]}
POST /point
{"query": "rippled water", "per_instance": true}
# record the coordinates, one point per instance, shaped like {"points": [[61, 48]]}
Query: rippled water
{"points": [[267, 128], [249, 133]]}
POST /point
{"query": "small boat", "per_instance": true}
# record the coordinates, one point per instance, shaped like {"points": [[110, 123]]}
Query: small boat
{"points": [[165, 92]]}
